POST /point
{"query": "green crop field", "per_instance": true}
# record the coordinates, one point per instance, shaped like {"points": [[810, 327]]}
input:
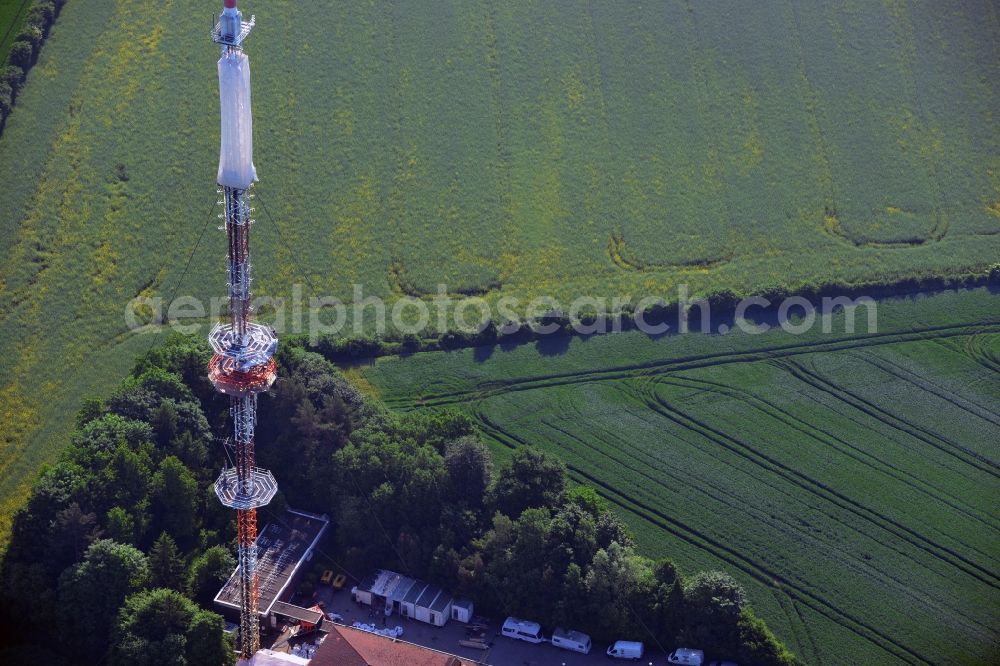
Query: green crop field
{"points": [[12, 15], [522, 149], [850, 481]]}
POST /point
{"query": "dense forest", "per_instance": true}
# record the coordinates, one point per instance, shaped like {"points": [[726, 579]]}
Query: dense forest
{"points": [[123, 545]]}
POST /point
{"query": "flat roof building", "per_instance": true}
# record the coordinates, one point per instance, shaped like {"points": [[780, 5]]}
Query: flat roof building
{"points": [[283, 549]]}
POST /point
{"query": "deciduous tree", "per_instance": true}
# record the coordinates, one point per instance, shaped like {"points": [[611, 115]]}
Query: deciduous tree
{"points": [[21, 55], [532, 478], [161, 626], [208, 572], [92, 591]]}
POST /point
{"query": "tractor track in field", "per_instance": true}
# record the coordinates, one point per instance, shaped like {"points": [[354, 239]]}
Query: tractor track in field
{"points": [[505, 171], [693, 361], [752, 569], [905, 374], [975, 349], [714, 491], [795, 628], [805, 628], [943, 444], [729, 555], [831, 225], [800, 595], [828, 438], [798, 627], [823, 492], [718, 491], [971, 348]]}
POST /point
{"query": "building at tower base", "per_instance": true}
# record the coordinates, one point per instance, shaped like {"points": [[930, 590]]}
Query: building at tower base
{"points": [[285, 547]]}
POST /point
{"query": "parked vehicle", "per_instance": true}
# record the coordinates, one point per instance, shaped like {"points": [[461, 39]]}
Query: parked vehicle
{"points": [[338, 581], [626, 650], [571, 640], [686, 656], [522, 630], [327, 577]]}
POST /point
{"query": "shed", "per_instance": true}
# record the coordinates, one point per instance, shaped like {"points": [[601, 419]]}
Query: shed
{"points": [[433, 606], [309, 618], [462, 610], [408, 605], [440, 609], [407, 596], [383, 587]]}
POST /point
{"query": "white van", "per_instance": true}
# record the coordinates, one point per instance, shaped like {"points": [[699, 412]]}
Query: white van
{"points": [[626, 650], [571, 640], [522, 630], [687, 657]]}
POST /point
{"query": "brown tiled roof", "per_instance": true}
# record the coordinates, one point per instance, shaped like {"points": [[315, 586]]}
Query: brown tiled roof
{"points": [[346, 646], [336, 651]]}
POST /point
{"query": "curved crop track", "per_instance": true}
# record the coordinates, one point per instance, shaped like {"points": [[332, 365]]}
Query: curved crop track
{"points": [[620, 256]]}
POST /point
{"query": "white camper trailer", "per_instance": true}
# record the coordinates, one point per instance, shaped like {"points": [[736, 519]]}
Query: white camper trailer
{"points": [[571, 640], [687, 657], [522, 630], [626, 650]]}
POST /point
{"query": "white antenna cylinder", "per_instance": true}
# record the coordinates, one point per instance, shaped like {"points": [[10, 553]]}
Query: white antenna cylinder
{"points": [[236, 167]]}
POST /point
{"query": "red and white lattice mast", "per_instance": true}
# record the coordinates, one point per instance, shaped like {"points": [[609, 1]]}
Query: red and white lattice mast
{"points": [[243, 363]]}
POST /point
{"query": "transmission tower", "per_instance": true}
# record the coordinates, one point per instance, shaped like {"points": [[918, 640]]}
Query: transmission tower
{"points": [[243, 362]]}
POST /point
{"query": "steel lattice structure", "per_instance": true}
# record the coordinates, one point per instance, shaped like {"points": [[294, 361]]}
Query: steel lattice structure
{"points": [[242, 365]]}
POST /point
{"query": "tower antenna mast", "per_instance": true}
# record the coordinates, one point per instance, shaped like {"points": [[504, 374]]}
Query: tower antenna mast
{"points": [[243, 362]]}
